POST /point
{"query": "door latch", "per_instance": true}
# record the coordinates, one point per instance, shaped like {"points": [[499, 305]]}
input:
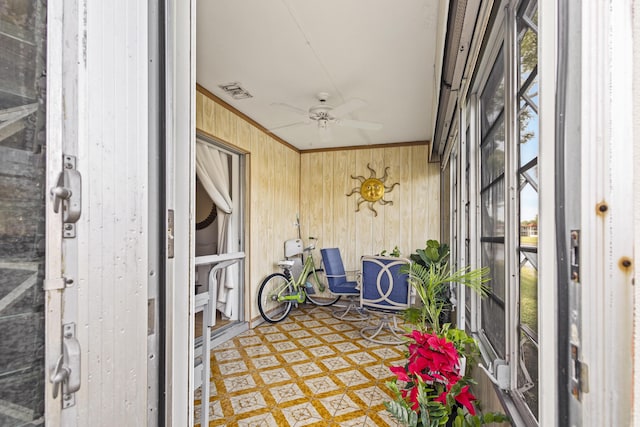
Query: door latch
{"points": [[575, 256], [170, 237], [579, 380], [65, 375], [68, 194]]}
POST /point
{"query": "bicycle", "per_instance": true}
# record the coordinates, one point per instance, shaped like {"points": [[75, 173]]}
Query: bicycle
{"points": [[279, 292]]}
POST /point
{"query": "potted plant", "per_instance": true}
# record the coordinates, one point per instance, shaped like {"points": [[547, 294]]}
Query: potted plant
{"points": [[436, 254], [432, 387], [430, 274], [394, 253]]}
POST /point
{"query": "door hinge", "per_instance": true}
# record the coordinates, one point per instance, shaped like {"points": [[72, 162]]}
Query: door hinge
{"points": [[68, 194], [65, 375]]}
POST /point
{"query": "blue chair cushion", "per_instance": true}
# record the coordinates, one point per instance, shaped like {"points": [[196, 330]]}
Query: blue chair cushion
{"points": [[332, 261], [346, 287], [335, 273]]}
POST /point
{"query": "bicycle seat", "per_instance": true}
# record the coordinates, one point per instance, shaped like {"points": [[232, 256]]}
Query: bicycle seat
{"points": [[285, 263]]}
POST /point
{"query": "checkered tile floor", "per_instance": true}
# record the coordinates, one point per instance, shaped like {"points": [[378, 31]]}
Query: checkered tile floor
{"points": [[309, 370]]}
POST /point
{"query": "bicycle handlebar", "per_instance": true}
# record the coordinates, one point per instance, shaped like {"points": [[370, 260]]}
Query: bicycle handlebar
{"points": [[312, 244]]}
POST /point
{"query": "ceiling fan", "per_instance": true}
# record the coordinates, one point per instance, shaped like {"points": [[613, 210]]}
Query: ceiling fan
{"points": [[326, 116]]}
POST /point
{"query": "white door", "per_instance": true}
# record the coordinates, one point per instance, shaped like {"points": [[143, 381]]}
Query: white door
{"points": [[97, 211]]}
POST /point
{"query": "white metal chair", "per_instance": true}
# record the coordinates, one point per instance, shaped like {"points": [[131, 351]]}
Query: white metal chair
{"points": [[206, 302], [384, 288]]}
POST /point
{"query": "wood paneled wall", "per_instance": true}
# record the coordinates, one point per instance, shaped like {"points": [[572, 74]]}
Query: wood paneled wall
{"points": [[328, 213], [273, 188], [283, 182]]}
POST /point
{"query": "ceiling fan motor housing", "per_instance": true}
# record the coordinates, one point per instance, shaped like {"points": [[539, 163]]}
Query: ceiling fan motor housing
{"points": [[320, 112]]}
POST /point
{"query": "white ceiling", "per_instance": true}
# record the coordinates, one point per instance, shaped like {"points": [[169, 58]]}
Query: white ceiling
{"points": [[385, 52]]}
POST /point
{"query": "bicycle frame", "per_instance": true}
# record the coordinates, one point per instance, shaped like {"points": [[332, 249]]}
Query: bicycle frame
{"points": [[309, 267], [278, 292]]}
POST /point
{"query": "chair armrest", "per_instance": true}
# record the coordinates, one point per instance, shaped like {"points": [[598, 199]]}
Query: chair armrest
{"points": [[352, 274]]}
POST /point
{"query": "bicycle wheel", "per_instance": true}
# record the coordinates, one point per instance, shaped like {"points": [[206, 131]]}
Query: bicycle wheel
{"points": [[271, 309], [321, 295]]}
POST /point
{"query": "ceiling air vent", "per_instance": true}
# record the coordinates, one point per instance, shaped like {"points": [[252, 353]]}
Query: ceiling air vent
{"points": [[236, 91]]}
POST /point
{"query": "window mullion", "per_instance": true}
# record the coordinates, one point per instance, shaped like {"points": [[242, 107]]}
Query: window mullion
{"points": [[512, 228], [474, 204]]}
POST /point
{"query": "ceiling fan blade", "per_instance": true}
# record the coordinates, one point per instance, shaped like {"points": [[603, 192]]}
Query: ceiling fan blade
{"points": [[359, 124], [291, 108], [347, 107], [290, 125]]}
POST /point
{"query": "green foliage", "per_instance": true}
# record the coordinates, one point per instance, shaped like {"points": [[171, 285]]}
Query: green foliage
{"points": [[394, 253], [432, 281], [466, 345], [434, 253], [437, 402], [463, 419], [401, 412], [432, 413], [529, 297]]}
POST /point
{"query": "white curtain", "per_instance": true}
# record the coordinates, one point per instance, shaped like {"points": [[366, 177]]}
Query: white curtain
{"points": [[212, 168]]}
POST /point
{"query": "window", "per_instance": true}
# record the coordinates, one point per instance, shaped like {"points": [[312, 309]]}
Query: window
{"points": [[499, 194], [492, 203], [527, 251], [466, 201]]}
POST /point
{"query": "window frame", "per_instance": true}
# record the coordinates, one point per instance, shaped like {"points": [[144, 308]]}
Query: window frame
{"points": [[502, 36]]}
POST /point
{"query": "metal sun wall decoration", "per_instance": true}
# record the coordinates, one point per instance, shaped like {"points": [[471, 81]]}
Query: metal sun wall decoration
{"points": [[372, 189]]}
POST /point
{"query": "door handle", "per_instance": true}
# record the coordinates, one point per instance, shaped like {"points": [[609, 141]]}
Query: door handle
{"points": [[68, 194], [59, 375], [65, 374], [60, 193]]}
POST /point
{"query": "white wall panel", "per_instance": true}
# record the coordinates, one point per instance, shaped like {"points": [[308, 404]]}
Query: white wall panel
{"points": [[112, 232]]}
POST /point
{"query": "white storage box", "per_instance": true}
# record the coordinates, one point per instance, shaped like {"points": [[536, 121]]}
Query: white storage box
{"points": [[292, 247]]}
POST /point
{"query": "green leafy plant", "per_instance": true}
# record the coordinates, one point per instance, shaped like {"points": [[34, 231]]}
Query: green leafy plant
{"points": [[431, 388], [431, 282], [434, 253], [394, 253]]}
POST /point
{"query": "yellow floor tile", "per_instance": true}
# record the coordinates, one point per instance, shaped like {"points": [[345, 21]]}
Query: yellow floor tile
{"points": [[309, 370]]}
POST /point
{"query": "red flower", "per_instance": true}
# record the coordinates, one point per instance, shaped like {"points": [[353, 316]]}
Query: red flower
{"points": [[413, 397], [417, 365], [400, 372], [434, 362], [442, 398], [419, 337], [465, 398]]}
